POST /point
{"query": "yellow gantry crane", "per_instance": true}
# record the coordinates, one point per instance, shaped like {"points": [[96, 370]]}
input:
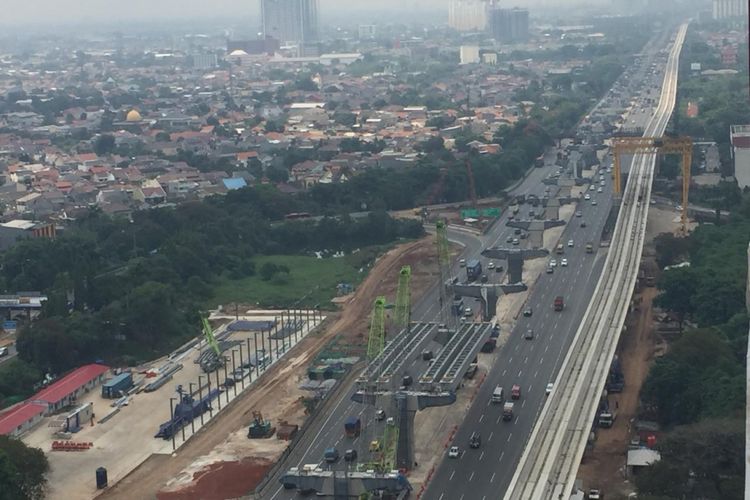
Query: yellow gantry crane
{"points": [[656, 145]]}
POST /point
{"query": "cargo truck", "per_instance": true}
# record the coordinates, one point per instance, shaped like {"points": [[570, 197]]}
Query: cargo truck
{"points": [[498, 397], [353, 427], [559, 303], [508, 411], [473, 270]]}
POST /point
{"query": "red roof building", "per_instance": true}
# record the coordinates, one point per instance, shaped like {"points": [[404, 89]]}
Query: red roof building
{"points": [[67, 389], [20, 418]]}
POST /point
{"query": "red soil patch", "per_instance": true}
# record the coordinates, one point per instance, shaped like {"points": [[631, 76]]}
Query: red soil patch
{"points": [[222, 480]]}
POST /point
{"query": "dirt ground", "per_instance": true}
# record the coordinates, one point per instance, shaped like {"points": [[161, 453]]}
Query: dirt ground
{"points": [[219, 461], [604, 466]]}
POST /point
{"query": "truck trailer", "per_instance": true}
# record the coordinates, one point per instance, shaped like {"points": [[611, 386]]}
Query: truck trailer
{"points": [[115, 387], [353, 427], [473, 270], [559, 303]]}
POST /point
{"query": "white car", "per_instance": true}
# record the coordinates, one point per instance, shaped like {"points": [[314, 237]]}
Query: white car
{"points": [[570, 244], [553, 263], [491, 265], [587, 197], [603, 183], [579, 214], [453, 451], [600, 190], [564, 263], [593, 202], [592, 187], [549, 388]]}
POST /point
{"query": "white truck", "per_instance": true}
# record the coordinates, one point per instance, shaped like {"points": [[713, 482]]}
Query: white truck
{"points": [[508, 411], [498, 397]]}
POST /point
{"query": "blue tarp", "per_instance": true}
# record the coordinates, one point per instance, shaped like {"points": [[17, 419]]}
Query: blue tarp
{"points": [[234, 183]]}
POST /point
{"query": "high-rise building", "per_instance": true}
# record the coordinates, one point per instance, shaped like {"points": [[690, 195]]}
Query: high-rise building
{"points": [[739, 136], [290, 21], [509, 25], [467, 15], [729, 9]]}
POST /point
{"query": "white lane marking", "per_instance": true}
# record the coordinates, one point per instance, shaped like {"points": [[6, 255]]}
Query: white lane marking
{"points": [[441, 496], [490, 438], [452, 474], [519, 373], [529, 390], [546, 347], [541, 360], [523, 403], [498, 419], [481, 418], [536, 373], [504, 371], [501, 457], [525, 360], [511, 434], [491, 479], [481, 456], [516, 421]]}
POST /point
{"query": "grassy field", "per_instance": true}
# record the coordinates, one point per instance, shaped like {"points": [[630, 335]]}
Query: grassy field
{"points": [[308, 276]]}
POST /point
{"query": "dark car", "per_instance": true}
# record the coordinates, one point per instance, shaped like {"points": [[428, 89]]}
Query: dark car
{"points": [[528, 312], [475, 441], [350, 455]]}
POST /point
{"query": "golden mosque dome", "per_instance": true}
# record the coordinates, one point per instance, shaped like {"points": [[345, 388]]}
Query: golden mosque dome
{"points": [[133, 116]]}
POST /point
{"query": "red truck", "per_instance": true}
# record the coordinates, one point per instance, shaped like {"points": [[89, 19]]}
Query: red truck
{"points": [[515, 392], [559, 304]]}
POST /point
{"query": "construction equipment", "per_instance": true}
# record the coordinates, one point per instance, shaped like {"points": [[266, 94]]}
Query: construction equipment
{"points": [[210, 359], [403, 298], [260, 428], [186, 410], [656, 145], [376, 340]]}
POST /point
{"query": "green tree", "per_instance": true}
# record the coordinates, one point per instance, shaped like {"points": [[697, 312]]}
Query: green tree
{"points": [[704, 460], [22, 470], [104, 145], [678, 286], [268, 270]]}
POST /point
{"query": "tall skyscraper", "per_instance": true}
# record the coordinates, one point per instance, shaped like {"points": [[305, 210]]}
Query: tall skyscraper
{"points": [[729, 9], [467, 15], [508, 25], [290, 21]]}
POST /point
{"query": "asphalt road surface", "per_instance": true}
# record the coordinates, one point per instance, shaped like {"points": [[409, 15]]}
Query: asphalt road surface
{"points": [[485, 472]]}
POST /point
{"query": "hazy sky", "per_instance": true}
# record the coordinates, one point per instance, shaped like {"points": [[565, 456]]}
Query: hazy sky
{"points": [[80, 10], [67, 11]]}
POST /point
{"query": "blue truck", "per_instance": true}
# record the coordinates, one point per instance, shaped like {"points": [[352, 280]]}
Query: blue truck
{"points": [[473, 270]]}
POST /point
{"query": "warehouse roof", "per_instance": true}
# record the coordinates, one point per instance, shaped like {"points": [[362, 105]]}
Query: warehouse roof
{"points": [[69, 383], [19, 415]]}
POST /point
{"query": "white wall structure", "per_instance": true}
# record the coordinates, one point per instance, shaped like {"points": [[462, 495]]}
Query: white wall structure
{"points": [[469, 54], [740, 139]]}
